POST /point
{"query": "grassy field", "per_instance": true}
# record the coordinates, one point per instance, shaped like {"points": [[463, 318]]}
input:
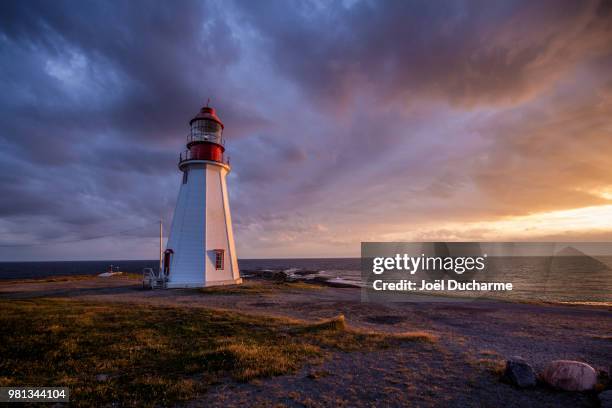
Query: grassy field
{"points": [[138, 355]]}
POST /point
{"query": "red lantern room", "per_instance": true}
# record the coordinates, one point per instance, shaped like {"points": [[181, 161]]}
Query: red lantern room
{"points": [[205, 141]]}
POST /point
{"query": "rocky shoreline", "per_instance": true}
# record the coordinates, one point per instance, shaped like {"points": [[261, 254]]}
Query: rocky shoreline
{"points": [[301, 275]]}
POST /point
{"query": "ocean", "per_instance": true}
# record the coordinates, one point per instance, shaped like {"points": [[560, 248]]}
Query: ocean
{"points": [[348, 268], [534, 278]]}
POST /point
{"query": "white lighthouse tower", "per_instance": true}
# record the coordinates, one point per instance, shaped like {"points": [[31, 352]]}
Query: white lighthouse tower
{"points": [[200, 249]]}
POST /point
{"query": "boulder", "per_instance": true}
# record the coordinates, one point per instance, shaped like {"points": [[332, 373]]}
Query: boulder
{"points": [[570, 375], [519, 373], [605, 399]]}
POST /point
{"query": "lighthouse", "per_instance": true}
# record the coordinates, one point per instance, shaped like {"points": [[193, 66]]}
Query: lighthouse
{"points": [[200, 250]]}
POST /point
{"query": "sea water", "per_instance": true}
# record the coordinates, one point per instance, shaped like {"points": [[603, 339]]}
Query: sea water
{"points": [[533, 278]]}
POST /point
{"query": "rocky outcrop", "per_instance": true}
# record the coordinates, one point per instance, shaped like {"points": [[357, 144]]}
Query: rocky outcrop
{"points": [[278, 276]]}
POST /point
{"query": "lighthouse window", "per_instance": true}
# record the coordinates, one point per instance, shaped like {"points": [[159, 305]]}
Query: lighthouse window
{"points": [[219, 258], [210, 126], [205, 130], [185, 176]]}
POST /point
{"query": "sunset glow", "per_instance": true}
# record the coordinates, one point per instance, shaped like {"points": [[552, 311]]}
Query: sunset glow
{"points": [[563, 224]]}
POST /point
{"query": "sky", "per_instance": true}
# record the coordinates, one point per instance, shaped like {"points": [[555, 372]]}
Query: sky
{"points": [[346, 121]]}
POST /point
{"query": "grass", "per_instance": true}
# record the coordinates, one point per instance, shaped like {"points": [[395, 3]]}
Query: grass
{"points": [[159, 356], [489, 360], [334, 333], [601, 337], [417, 336], [258, 287]]}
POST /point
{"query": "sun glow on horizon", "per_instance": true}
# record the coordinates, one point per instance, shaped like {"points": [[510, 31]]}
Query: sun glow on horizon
{"points": [[577, 221]]}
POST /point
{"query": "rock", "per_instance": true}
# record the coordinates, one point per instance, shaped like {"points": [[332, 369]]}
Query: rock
{"points": [[519, 373], [605, 399], [281, 277], [305, 272], [102, 377], [275, 275], [570, 375]]}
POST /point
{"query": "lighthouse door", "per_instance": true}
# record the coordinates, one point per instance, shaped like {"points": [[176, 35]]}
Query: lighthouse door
{"points": [[167, 260]]}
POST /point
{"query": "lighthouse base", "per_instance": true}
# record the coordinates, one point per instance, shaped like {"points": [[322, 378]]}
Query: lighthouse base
{"points": [[201, 242], [206, 284]]}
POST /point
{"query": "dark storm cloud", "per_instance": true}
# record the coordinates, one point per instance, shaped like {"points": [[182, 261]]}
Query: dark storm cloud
{"points": [[466, 52], [93, 94], [344, 120], [152, 54]]}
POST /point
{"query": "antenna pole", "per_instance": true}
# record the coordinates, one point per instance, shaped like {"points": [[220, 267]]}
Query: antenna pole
{"points": [[161, 232]]}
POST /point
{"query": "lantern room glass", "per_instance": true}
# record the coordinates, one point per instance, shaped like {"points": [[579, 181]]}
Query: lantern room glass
{"points": [[206, 130]]}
